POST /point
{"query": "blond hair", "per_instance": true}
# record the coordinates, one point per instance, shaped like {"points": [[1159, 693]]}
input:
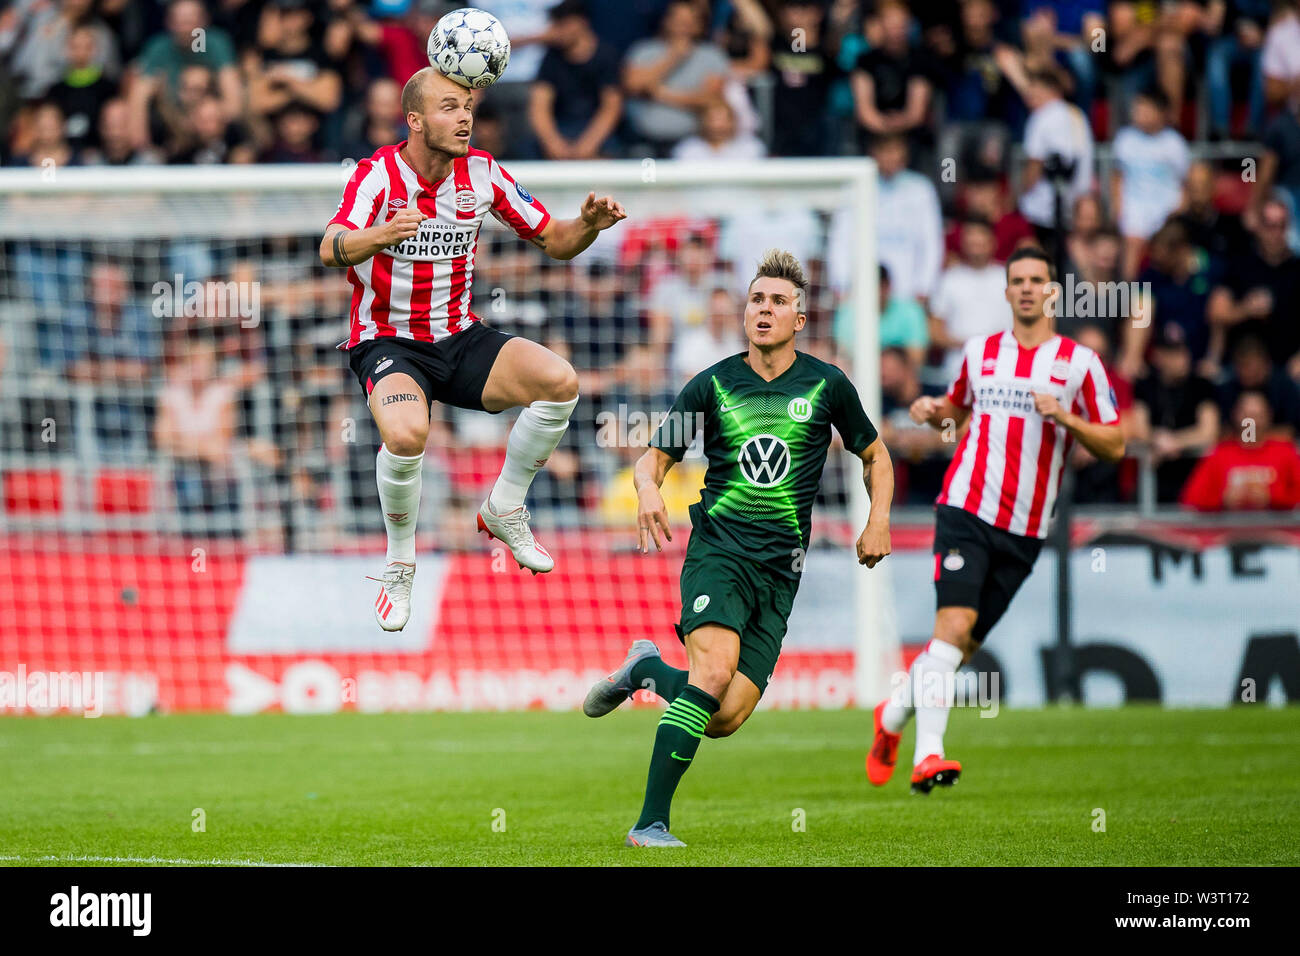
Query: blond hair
{"points": [[779, 264]]}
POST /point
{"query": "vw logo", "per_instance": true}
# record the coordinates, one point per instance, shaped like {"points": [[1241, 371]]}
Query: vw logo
{"points": [[764, 460]]}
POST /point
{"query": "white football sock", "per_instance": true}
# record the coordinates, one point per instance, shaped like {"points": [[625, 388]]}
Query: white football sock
{"points": [[932, 690], [399, 495], [537, 431]]}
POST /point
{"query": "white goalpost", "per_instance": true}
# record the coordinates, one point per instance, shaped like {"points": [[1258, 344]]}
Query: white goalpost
{"points": [[182, 449]]}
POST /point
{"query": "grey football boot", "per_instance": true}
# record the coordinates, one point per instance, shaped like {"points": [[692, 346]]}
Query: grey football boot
{"points": [[607, 694]]}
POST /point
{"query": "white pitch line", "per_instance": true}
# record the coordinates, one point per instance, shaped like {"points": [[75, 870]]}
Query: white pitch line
{"points": [[147, 859]]}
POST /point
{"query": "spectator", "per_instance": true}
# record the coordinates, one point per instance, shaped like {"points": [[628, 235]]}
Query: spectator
{"points": [[295, 127], [668, 78], [1219, 233], [575, 104], [1279, 171], [40, 54], [1095, 264], [1261, 294], [803, 73], [113, 343], [290, 65], [400, 32], [902, 323], [1247, 472], [1179, 282], [680, 300], [197, 418], [381, 123], [46, 145], [84, 89], [1058, 144], [978, 102], [719, 140], [1102, 482], [1069, 29], [116, 143], [1175, 413], [891, 90], [1146, 187], [209, 140], [1280, 58], [698, 347], [1253, 371], [984, 196], [1235, 40], [172, 120], [920, 453], [908, 221], [188, 41], [971, 299]]}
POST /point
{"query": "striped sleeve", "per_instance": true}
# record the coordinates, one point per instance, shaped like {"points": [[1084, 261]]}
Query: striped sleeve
{"points": [[959, 391], [361, 197], [1096, 399], [513, 206]]}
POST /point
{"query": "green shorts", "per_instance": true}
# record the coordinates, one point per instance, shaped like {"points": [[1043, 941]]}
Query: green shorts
{"points": [[722, 588]]}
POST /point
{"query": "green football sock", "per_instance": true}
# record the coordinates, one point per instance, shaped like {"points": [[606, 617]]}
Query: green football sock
{"points": [[652, 674], [676, 740]]}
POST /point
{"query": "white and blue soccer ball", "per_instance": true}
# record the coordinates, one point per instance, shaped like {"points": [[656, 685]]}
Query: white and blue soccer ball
{"points": [[470, 46]]}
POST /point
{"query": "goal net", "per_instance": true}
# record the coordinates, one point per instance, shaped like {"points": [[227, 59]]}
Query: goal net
{"points": [[188, 506]]}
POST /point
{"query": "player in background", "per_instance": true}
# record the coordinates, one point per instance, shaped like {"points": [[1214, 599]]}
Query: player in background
{"points": [[1028, 393], [407, 232], [766, 414]]}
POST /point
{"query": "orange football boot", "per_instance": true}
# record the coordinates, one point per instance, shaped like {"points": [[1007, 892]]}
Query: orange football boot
{"points": [[934, 770], [884, 751]]}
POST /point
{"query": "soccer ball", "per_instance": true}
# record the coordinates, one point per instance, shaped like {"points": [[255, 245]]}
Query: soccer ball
{"points": [[470, 46]]}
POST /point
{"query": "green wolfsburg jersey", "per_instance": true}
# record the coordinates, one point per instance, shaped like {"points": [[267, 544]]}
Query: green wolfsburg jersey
{"points": [[766, 444]]}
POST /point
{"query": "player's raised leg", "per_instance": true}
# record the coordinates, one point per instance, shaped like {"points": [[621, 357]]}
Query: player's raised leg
{"points": [[401, 413], [533, 376], [713, 653]]}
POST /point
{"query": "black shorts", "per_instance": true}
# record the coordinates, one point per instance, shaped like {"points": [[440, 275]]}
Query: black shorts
{"points": [[453, 371], [979, 566]]}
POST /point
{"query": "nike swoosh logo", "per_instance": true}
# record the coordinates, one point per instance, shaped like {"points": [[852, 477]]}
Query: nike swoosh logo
{"points": [[682, 759], [727, 408]]}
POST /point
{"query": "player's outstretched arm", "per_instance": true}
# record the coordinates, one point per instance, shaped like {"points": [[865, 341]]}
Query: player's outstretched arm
{"points": [[651, 512], [342, 247], [938, 413], [1106, 442], [564, 239], [878, 476]]}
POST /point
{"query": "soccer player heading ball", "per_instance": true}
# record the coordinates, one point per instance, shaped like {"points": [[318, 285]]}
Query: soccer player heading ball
{"points": [[406, 231], [766, 415], [1028, 394]]}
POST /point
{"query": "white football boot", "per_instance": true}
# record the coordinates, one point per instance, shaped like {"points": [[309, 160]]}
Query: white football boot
{"points": [[393, 605], [512, 529]]}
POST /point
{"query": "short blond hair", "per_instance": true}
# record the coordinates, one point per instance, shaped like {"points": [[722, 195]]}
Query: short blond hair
{"points": [[779, 264]]}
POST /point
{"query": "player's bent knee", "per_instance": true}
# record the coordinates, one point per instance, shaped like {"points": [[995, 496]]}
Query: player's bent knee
{"points": [[406, 440], [559, 383]]}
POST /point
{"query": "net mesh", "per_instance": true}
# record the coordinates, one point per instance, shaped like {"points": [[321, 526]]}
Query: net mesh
{"points": [[187, 464]]}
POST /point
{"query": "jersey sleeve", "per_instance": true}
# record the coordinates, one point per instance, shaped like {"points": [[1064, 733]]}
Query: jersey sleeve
{"points": [[513, 206], [1096, 400], [959, 392], [677, 430], [849, 417], [360, 205]]}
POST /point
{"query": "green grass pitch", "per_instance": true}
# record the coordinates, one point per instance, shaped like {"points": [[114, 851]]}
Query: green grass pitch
{"points": [[1176, 787]]}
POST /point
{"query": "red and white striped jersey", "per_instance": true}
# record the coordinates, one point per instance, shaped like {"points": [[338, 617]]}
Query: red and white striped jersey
{"points": [[1007, 469], [421, 288]]}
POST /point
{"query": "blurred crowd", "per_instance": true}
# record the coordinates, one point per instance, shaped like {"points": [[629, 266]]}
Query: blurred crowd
{"points": [[1152, 147]]}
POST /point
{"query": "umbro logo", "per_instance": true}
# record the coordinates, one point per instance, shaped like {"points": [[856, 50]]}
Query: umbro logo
{"points": [[988, 366], [396, 203], [396, 515]]}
